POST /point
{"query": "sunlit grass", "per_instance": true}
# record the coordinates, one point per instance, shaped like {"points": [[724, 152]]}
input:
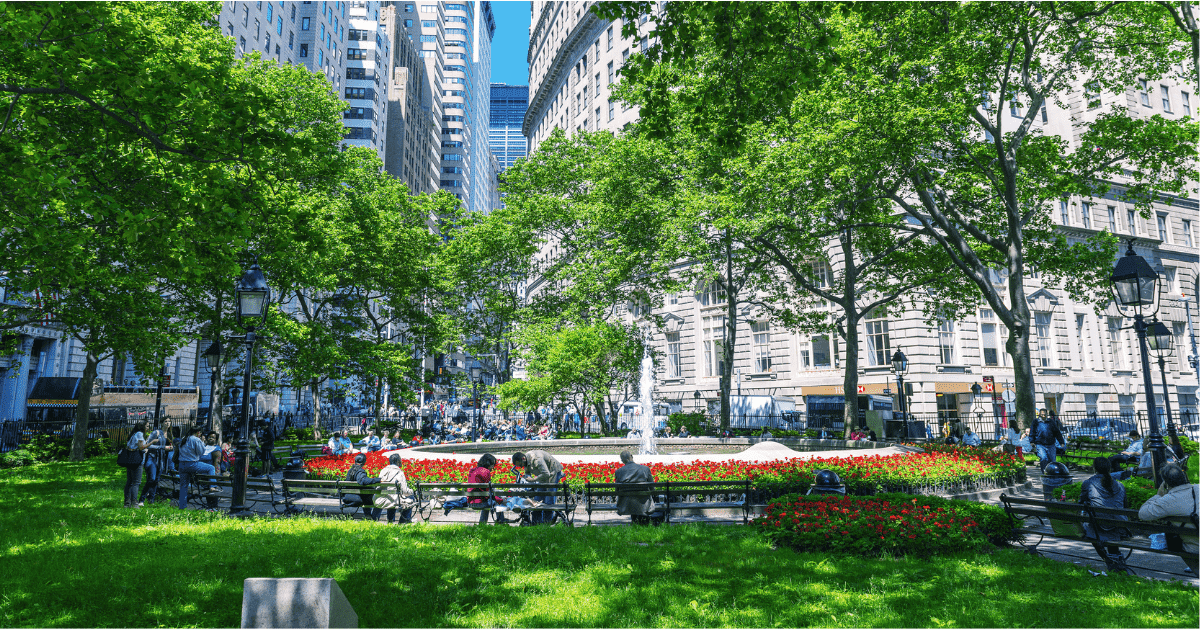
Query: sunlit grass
{"points": [[71, 557]]}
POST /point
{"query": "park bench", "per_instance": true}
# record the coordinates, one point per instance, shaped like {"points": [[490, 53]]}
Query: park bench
{"points": [[1065, 521], [200, 487], [345, 496], [673, 496], [431, 496]]}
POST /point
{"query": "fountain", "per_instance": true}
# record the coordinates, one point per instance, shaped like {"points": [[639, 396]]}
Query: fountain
{"points": [[646, 391]]}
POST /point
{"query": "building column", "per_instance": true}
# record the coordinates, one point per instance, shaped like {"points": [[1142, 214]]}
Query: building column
{"points": [[13, 390]]}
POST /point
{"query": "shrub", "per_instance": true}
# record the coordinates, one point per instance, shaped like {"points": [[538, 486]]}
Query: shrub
{"points": [[1189, 446], [1138, 490], [680, 419], [17, 458], [888, 524], [49, 448]]}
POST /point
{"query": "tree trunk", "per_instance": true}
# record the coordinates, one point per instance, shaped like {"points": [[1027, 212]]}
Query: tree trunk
{"points": [[83, 409], [316, 425], [730, 337], [1017, 347], [849, 296]]}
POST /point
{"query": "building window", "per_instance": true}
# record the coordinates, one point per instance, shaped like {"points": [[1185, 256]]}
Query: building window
{"points": [[1131, 219], [611, 110], [359, 35], [1163, 233], [1065, 209], [1169, 276], [428, 8], [1144, 92], [230, 25], [947, 342], [408, 8], [321, 58], [452, 157], [356, 92], [1185, 100], [1045, 343], [1045, 118], [1081, 359], [674, 358], [761, 332], [610, 37], [356, 54], [624, 55], [427, 38], [878, 342], [1114, 343], [610, 73], [303, 50], [293, 13], [408, 23], [304, 24], [1112, 219], [1166, 98], [714, 346], [246, 16], [242, 45], [989, 337], [1091, 93], [270, 13], [279, 27], [1187, 233], [712, 293], [1085, 214]]}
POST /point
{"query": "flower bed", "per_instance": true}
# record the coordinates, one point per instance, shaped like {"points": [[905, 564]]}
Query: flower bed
{"points": [[895, 524], [918, 473]]}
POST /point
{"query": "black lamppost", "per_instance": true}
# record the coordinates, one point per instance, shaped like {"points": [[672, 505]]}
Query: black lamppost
{"points": [[1162, 342], [900, 366], [1136, 287], [476, 377], [977, 408], [212, 358], [253, 296]]}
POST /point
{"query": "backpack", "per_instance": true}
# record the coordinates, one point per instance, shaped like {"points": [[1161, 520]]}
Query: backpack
{"points": [[1043, 433]]}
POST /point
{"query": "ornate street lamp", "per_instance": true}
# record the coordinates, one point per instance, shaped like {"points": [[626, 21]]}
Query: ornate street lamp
{"points": [[976, 406], [1162, 342], [212, 358], [900, 366], [1135, 285], [253, 296], [476, 378]]}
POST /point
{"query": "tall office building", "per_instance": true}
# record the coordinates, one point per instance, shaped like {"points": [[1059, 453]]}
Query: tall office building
{"points": [[454, 39], [1084, 362], [509, 103], [344, 41]]}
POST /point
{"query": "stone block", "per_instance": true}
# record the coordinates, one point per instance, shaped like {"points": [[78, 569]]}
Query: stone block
{"points": [[295, 603]]}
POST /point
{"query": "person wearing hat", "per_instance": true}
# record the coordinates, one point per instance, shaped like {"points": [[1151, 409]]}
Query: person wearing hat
{"points": [[539, 467], [357, 475], [191, 462]]}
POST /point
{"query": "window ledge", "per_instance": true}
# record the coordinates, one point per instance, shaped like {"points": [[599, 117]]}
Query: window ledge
{"points": [[954, 369], [677, 380], [875, 369], [1049, 370], [762, 376], [1122, 372]]}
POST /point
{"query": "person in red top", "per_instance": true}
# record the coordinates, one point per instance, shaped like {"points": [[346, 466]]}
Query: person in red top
{"points": [[482, 473]]}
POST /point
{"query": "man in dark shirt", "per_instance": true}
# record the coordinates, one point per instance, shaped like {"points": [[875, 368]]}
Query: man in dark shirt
{"points": [[636, 505]]}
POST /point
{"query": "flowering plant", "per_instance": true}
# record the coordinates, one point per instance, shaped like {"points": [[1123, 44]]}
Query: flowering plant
{"points": [[870, 474], [892, 524]]}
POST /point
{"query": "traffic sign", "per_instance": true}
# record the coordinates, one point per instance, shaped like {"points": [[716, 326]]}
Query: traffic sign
{"points": [[1008, 396]]}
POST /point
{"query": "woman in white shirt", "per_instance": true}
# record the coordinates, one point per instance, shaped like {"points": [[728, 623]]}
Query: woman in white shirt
{"points": [[133, 474]]}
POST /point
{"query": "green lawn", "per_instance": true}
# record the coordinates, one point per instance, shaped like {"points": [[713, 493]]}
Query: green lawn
{"points": [[69, 557]]}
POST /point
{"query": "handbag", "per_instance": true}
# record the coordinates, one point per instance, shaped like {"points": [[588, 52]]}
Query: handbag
{"points": [[129, 458]]}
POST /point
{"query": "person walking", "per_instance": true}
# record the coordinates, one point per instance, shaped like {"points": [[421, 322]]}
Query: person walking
{"points": [[1046, 437], [191, 462], [133, 471]]}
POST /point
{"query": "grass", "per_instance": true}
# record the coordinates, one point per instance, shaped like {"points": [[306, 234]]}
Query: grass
{"points": [[70, 557]]}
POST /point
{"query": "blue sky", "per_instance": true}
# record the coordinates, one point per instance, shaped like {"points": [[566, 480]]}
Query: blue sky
{"points": [[510, 44]]}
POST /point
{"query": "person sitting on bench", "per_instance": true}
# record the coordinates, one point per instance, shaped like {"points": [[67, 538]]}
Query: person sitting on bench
{"points": [[481, 473], [1101, 490], [1132, 453], [540, 467], [637, 506], [1175, 501]]}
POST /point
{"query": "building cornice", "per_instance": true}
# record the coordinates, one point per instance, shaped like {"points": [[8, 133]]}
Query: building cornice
{"points": [[584, 30]]}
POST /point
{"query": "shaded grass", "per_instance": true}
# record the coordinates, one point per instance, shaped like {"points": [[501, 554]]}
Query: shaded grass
{"points": [[70, 557]]}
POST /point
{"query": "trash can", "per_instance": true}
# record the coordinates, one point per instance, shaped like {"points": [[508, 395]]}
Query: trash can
{"points": [[1056, 476], [295, 466]]}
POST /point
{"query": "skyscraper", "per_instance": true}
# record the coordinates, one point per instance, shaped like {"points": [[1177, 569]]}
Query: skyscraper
{"points": [[454, 39], [509, 103]]}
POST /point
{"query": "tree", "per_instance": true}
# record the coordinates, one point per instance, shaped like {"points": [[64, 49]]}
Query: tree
{"points": [[935, 85], [586, 363]]}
